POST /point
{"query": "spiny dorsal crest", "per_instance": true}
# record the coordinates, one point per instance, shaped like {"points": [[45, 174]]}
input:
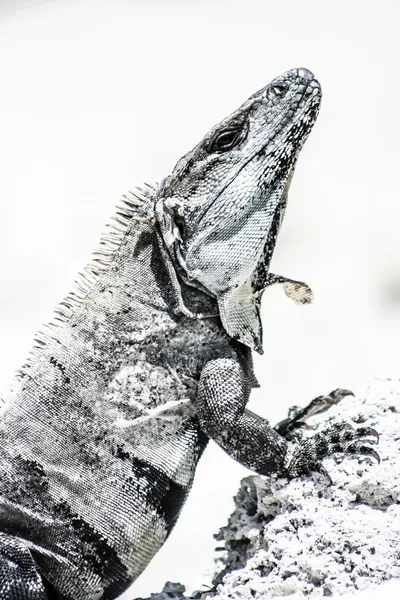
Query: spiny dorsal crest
{"points": [[135, 206]]}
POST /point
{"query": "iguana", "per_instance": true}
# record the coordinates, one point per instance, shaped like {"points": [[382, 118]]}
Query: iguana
{"points": [[150, 357]]}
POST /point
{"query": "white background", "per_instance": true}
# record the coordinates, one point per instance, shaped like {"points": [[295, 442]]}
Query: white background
{"points": [[96, 96]]}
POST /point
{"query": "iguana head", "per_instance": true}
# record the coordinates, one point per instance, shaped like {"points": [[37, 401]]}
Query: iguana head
{"points": [[221, 208]]}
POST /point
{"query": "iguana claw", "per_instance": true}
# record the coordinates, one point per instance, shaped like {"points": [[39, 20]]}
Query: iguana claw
{"points": [[340, 438], [297, 416]]}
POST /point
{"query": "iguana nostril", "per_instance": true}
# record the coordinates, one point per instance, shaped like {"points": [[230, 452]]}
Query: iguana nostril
{"points": [[305, 74], [313, 88]]}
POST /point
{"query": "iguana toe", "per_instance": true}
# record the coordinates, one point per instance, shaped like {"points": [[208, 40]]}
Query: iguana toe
{"points": [[340, 438]]}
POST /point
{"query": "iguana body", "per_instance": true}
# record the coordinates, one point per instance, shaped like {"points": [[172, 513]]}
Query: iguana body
{"points": [[149, 358]]}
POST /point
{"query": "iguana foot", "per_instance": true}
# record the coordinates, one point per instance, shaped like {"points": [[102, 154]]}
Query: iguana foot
{"points": [[342, 438], [298, 416]]}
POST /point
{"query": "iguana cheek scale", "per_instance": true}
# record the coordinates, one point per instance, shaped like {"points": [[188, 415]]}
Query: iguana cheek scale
{"points": [[150, 356]]}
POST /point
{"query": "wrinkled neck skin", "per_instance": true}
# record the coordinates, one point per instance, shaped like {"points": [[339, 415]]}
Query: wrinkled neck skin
{"points": [[228, 243], [238, 304], [190, 298]]}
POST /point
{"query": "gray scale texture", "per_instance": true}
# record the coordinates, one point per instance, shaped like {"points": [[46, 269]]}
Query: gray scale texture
{"points": [[150, 357]]}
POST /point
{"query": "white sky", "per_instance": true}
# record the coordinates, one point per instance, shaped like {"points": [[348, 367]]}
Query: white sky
{"points": [[99, 95]]}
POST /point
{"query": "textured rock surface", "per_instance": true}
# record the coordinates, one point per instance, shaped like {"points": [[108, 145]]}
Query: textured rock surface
{"points": [[306, 538]]}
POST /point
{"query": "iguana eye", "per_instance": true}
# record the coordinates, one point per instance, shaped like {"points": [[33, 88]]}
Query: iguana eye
{"points": [[226, 140], [279, 89]]}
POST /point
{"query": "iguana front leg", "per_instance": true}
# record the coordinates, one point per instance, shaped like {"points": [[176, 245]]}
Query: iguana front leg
{"points": [[223, 392]]}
